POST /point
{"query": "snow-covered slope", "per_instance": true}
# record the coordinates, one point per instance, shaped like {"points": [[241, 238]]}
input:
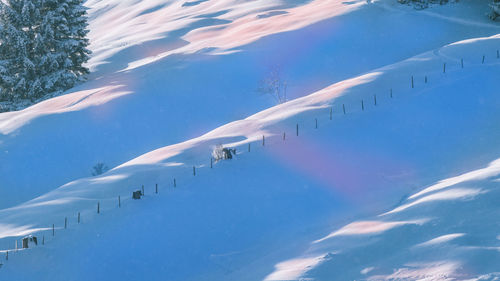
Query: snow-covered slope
{"points": [[187, 233], [448, 231], [124, 114], [299, 207]]}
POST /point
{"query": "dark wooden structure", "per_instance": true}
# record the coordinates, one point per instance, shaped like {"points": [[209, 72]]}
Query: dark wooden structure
{"points": [[28, 239], [227, 153], [137, 194]]}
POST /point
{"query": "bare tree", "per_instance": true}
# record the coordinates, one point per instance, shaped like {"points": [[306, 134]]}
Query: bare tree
{"points": [[221, 153], [495, 9], [99, 169], [274, 85]]}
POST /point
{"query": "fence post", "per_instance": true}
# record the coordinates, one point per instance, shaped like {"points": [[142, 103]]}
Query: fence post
{"points": [[498, 54], [284, 136], [248, 147], [412, 81], [156, 186], [43, 240], [425, 80], [78, 217], [65, 222], [362, 105], [53, 230], [119, 202], [263, 140], [175, 185], [343, 108], [444, 67], [483, 60], [391, 93], [331, 113], [7, 257], [98, 207], [462, 62], [316, 123], [297, 129], [194, 171], [211, 163], [375, 99], [143, 190]]}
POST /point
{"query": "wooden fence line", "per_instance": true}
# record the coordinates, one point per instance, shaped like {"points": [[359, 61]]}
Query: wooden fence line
{"points": [[249, 149]]}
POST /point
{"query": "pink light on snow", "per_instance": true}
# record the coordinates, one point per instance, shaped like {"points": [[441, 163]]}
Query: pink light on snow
{"points": [[224, 38], [348, 170]]}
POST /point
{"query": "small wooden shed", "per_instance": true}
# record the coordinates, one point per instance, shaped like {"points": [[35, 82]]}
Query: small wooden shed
{"points": [[28, 239], [136, 194]]}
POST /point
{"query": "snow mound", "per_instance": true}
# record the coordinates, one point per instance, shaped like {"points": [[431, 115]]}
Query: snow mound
{"points": [[373, 122]]}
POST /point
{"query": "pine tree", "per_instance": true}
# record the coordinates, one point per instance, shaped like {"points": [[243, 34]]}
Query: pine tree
{"points": [[495, 9], [54, 65], [64, 33], [30, 19], [77, 22], [43, 47], [13, 50]]}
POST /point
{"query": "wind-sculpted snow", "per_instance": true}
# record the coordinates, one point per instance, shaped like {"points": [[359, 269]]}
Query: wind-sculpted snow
{"points": [[429, 250], [441, 239], [253, 127], [451, 194], [118, 115], [224, 38], [293, 269], [301, 195], [492, 170], [437, 271], [71, 102], [118, 25], [284, 195], [369, 227]]}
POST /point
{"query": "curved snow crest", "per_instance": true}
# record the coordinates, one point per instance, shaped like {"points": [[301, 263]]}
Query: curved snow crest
{"points": [[441, 239], [253, 127], [10, 121], [369, 228], [437, 271], [316, 100], [117, 25], [295, 268], [260, 122], [481, 40], [492, 170], [455, 50], [12, 230], [248, 28], [452, 194], [430, 270]]}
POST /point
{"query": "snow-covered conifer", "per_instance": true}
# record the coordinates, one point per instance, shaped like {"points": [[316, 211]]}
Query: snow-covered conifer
{"points": [[43, 47]]}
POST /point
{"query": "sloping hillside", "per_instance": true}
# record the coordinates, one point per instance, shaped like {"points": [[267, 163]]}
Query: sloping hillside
{"points": [[119, 115], [390, 115]]}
